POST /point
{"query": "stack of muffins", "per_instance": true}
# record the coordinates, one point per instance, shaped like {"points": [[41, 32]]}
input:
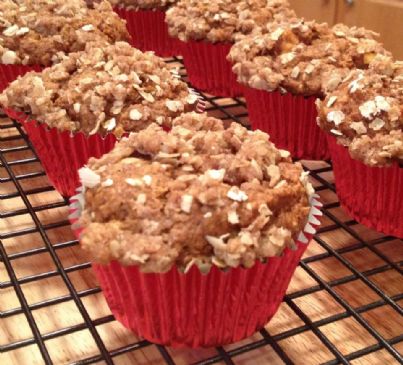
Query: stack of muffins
{"points": [[196, 226]]}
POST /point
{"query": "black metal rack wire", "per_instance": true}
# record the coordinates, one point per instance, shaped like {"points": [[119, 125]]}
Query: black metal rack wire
{"points": [[232, 110]]}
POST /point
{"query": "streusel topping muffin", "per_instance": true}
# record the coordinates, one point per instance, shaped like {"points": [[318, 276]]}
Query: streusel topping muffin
{"points": [[365, 113], [42, 32], [143, 4], [223, 20], [106, 89], [199, 194], [302, 57]]}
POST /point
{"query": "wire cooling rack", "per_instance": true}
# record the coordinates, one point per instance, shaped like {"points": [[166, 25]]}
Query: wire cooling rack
{"points": [[342, 307]]}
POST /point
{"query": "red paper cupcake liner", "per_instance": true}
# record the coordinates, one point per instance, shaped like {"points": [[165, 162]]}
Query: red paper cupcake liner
{"points": [[371, 195], [9, 73], [62, 153], [195, 309], [290, 121], [208, 68], [149, 31]]}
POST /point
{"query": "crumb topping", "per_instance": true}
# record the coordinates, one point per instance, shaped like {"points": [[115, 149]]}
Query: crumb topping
{"points": [[143, 4], [223, 20], [43, 32], [109, 89], [303, 57], [199, 194], [365, 113]]}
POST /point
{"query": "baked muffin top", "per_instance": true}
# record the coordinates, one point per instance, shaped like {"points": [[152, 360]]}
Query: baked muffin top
{"points": [[143, 4], [223, 20], [302, 57], [41, 31], [199, 194], [109, 89], [365, 113]]}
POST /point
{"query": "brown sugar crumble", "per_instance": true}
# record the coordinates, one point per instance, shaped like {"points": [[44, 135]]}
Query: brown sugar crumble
{"points": [[108, 89], [42, 32], [365, 113], [223, 20], [303, 57], [200, 194]]}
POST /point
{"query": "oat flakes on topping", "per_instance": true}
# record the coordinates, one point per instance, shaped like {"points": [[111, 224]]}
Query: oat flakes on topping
{"points": [[113, 88], [239, 201], [42, 32], [303, 57], [223, 20], [371, 103], [143, 4]]}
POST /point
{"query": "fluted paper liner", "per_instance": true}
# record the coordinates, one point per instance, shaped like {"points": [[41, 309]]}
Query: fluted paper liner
{"points": [[290, 121], [371, 195], [149, 31], [208, 68], [193, 309], [9, 73], [63, 153]]}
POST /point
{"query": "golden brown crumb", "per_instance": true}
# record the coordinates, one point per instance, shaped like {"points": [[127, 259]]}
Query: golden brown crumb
{"points": [[200, 194], [109, 89], [305, 58]]}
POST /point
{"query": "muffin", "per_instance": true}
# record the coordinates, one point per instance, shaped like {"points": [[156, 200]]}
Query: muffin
{"points": [[290, 66], [146, 24], [80, 106], [167, 212], [364, 119], [207, 30], [37, 33]]}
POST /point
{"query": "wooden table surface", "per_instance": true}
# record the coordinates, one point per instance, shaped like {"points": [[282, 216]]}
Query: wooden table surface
{"points": [[304, 347]]}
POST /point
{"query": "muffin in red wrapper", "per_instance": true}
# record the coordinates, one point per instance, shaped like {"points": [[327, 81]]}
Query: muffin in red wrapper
{"points": [[285, 69], [62, 153], [196, 309], [364, 115], [208, 29], [78, 108], [146, 24], [371, 195], [29, 41], [195, 233]]}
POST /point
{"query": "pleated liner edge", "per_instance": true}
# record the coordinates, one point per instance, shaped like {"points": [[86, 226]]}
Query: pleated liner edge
{"points": [[195, 309], [290, 120], [149, 31], [371, 195], [63, 153], [208, 68]]}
